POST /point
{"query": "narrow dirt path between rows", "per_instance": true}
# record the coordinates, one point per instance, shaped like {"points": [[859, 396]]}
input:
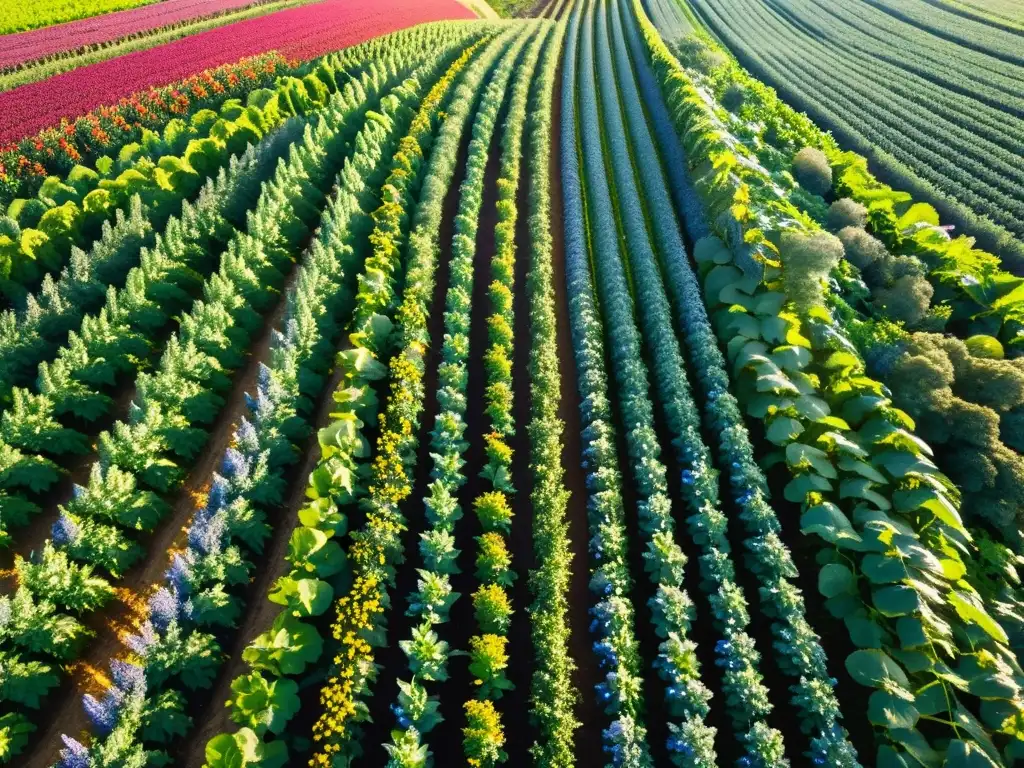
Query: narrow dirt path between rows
{"points": [[211, 716], [447, 739], [392, 660], [123, 615]]}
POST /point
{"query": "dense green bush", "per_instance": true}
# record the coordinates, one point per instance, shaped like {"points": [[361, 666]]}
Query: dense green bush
{"points": [[811, 169], [846, 213]]}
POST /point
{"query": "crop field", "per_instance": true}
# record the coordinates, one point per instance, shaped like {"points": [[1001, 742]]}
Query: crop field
{"points": [[385, 386], [931, 95]]}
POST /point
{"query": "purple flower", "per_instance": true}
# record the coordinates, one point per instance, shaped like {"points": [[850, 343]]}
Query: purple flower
{"points": [[102, 713], [129, 678], [180, 575], [164, 607], [206, 535], [141, 642], [218, 495], [235, 465], [263, 377], [246, 437], [74, 754], [65, 531]]}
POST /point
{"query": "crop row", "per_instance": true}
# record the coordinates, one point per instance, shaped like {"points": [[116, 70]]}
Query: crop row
{"points": [[553, 693], [115, 342], [913, 273], [377, 548], [796, 646], [914, 144], [427, 652], [94, 528], [56, 149], [31, 66], [226, 531], [892, 549]]}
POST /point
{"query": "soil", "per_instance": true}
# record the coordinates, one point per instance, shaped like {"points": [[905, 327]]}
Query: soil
{"points": [[587, 675], [447, 738], [260, 613], [122, 615], [392, 660]]}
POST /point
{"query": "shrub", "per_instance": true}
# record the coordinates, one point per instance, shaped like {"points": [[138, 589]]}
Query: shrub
{"points": [[861, 249], [695, 53], [846, 213], [484, 736], [734, 97], [807, 261], [906, 300], [493, 561], [811, 169], [494, 512]]}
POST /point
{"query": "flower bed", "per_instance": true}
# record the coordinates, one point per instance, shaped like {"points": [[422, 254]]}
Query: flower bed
{"points": [[297, 33]]}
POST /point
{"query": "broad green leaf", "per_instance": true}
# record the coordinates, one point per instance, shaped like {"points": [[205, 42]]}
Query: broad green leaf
{"points": [[963, 754], [862, 468], [896, 601], [911, 632], [783, 429], [812, 408], [890, 711], [875, 669], [890, 758], [797, 489], [836, 442], [970, 608], [864, 633], [800, 455], [835, 579], [882, 569], [861, 488], [791, 358], [829, 522]]}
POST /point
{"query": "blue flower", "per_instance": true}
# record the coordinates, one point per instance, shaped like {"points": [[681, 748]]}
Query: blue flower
{"points": [[164, 608], [218, 495], [74, 754], [235, 465], [142, 642], [180, 575], [246, 437], [65, 531], [263, 377], [101, 713], [130, 678]]}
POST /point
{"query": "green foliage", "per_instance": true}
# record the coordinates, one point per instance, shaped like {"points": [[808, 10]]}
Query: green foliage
{"points": [[15, 731], [488, 660], [812, 170], [493, 510], [807, 260], [493, 608], [243, 749], [846, 213], [56, 578], [483, 736], [263, 705]]}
